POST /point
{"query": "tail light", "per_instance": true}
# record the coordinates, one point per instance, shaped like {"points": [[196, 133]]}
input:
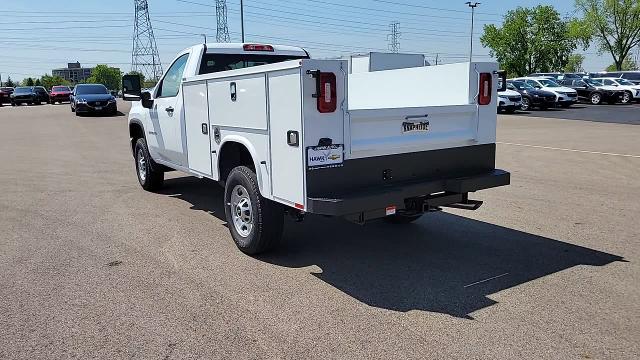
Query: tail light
{"points": [[326, 92], [257, 47], [484, 97]]}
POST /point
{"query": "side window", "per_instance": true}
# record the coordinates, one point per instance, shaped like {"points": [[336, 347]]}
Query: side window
{"points": [[173, 78], [608, 82]]}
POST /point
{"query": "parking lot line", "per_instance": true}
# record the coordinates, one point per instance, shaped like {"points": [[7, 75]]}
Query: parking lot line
{"points": [[485, 280], [572, 150]]}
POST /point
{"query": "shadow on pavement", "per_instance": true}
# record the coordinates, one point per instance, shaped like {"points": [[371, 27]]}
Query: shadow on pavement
{"points": [[443, 263]]}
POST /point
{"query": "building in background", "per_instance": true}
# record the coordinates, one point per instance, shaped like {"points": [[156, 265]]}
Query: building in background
{"points": [[73, 73]]}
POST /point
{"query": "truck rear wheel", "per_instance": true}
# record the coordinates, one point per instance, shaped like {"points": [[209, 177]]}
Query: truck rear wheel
{"points": [[255, 223], [149, 174]]}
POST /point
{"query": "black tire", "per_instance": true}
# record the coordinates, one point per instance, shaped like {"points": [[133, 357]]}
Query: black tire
{"points": [[627, 97], [266, 218], [151, 177], [526, 104], [510, 110], [596, 98], [400, 219]]}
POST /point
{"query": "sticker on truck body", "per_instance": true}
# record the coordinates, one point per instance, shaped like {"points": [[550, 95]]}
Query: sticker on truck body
{"points": [[319, 157]]}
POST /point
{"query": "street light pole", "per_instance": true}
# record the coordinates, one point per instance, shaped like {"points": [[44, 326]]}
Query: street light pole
{"points": [[205, 37], [242, 19], [473, 6]]}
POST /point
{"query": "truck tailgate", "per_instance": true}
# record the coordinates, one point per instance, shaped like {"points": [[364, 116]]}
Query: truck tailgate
{"points": [[377, 132], [417, 109]]}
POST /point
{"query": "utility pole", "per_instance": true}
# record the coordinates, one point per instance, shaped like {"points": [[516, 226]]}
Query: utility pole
{"points": [[144, 57], [242, 19], [222, 33], [437, 59], [473, 6], [394, 37]]}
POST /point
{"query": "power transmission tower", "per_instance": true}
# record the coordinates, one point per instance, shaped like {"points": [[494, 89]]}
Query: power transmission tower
{"points": [[222, 34], [144, 57], [394, 37]]}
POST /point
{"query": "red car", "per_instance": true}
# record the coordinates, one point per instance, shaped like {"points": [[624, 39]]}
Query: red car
{"points": [[5, 95], [59, 94]]}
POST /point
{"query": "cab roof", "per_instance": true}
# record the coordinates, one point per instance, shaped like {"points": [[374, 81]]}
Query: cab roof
{"points": [[239, 48]]}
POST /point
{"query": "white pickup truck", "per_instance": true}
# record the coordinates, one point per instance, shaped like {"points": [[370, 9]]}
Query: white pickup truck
{"points": [[288, 134]]}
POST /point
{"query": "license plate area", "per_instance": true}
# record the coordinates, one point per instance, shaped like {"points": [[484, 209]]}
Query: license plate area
{"points": [[319, 157]]}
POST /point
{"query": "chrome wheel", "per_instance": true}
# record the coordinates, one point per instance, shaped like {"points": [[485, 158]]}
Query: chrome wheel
{"points": [[241, 211], [142, 166], [626, 98], [595, 99], [525, 104]]}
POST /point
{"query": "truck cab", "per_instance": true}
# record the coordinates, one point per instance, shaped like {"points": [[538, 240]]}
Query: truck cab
{"points": [[284, 133]]}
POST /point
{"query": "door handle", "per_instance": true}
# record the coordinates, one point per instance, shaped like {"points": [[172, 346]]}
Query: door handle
{"points": [[169, 109]]}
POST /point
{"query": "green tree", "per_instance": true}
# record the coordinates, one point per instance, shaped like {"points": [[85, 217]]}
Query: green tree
{"points": [[108, 76], [49, 81], [37, 82], [614, 24], [28, 82], [627, 65], [574, 63], [9, 82], [531, 40]]}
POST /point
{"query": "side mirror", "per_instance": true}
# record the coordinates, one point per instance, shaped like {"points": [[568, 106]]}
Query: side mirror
{"points": [[147, 101], [131, 88]]}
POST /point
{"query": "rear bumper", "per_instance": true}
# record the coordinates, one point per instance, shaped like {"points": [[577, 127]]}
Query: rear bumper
{"points": [[396, 194]]}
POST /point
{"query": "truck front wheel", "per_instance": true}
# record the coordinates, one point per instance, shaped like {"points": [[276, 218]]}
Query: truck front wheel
{"points": [[255, 223], [149, 174]]}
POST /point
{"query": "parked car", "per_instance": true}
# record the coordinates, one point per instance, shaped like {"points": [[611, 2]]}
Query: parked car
{"points": [[33, 95], [92, 98], [509, 101], [633, 76], [59, 94], [565, 96], [591, 93], [532, 97], [557, 76], [631, 90], [5, 95]]}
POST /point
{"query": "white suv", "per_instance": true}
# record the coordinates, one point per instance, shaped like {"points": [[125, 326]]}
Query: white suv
{"points": [[565, 96], [631, 90], [509, 101]]}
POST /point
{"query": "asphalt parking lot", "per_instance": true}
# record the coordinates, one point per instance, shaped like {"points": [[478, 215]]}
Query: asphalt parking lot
{"points": [[91, 266], [616, 114]]}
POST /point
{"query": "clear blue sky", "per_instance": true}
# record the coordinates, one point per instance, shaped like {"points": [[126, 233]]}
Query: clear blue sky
{"points": [[39, 35]]}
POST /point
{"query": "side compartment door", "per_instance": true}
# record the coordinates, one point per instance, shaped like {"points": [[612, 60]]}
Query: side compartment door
{"points": [[285, 119], [196, 115]]}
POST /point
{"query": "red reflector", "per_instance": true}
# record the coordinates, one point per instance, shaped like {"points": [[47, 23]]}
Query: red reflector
{"points": [[299, 206], [257, 47], [390, 210], [485, 87], [327, 95]]}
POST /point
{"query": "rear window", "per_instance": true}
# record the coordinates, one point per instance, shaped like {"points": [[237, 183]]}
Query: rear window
{"points": [[212, 63], [61, 88]]}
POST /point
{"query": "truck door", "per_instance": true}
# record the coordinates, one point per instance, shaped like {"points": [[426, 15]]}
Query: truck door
{"points": [[167, 114]]}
